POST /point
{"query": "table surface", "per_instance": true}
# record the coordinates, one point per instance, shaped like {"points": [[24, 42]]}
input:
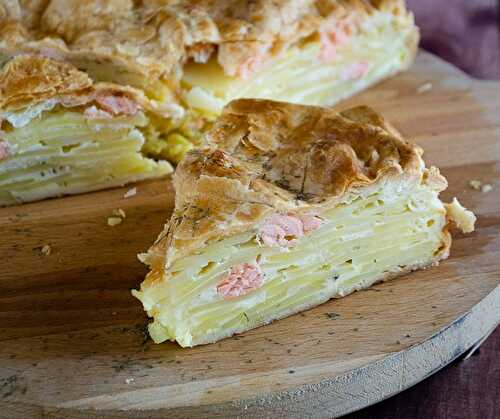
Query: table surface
{"points": [[69, 337], [467, 388]]}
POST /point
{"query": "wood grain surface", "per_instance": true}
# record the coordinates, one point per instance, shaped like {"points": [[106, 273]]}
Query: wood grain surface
{"points": [[72, 337], [467, 388]]}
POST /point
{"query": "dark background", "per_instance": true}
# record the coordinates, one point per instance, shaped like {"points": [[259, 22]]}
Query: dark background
{"points": [[467, 34], [465, 389], [463, 32]]}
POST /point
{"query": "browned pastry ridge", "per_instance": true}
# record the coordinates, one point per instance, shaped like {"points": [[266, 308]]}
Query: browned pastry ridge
{"points": [[28, 80]]}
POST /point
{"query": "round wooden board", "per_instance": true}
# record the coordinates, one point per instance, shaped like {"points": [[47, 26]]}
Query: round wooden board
{"points": [[72, 337]]}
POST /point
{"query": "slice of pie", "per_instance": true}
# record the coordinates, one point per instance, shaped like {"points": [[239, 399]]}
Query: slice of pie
{"points": [[60, 133], [194, 57], [287, 207]]}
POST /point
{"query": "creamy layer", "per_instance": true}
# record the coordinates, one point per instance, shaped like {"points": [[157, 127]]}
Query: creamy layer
{"points": [[64, 152], [357, 244]]}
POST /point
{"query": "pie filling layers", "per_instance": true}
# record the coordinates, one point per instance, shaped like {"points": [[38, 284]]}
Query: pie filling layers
{"points": [[300, 75], [61, 152], [241, 282], [306, 73]]}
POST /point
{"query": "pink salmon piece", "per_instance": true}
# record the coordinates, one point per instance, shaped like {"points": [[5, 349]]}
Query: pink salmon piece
{"points": [[4, 150], [355, 71], [286, 229], [241, 280], [117, 105], [331, 40]]}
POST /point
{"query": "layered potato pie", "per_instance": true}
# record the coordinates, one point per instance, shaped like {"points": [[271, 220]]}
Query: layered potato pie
{"points": [[61, 133], [186, 59], [286, 207]]}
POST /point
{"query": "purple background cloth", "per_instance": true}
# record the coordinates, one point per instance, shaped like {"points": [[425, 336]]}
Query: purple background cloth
{"points": [[463, 32]]}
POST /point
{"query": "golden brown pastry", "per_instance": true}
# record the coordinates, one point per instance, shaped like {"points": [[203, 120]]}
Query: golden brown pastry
{"points": [[195, 56], [287, 207], [61, 133]]}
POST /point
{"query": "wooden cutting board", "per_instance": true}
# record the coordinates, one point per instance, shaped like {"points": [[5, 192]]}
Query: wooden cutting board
{"points": [[72, 337]]}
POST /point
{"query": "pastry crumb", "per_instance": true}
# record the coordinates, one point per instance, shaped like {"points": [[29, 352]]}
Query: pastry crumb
{"points": [[119, 213], [117, 218], [461, 217], [475, 184], [114, 221], [486, 188], [129, 380], [480, 186], [130, 193], [46, 250], [424, 88]]}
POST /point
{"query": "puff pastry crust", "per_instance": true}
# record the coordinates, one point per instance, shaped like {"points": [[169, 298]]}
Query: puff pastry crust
{"points": [[281, 157], [28, 80]]}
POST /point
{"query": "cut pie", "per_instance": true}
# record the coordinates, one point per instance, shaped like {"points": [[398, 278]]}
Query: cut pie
{"points": [[60, 133], [194, 57], [286, 207]]}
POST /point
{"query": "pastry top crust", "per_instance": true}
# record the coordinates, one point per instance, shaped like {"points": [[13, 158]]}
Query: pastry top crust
{"points": [[263, 157], [27, 80], [154, 37]]}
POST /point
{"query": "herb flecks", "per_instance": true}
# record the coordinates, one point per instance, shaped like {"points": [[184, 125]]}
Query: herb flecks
{"points": [[197, 215], [304, 196], [332, 316], [13, 385]]}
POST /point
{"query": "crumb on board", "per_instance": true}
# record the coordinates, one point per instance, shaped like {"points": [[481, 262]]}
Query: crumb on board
{"points": [[424, 88], [117, 218], [114, 221], [119, 213], [462, 218], [130, 193], [486, 188], [129, 380], [46, 250], [475, 184], [480, 186]]}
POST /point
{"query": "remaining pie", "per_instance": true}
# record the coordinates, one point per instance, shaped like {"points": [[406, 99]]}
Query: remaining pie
{"points": [[191, 57], [286, 207], [61, 133]]}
